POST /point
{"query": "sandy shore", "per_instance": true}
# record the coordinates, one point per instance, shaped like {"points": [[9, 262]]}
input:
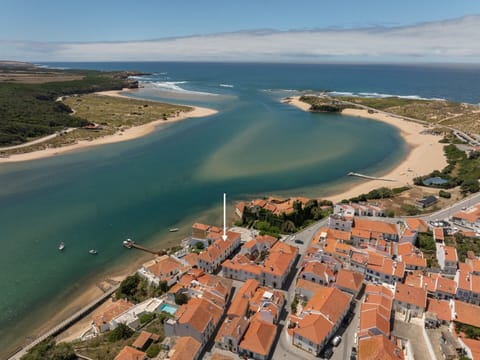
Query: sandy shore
{"points": [[125, 135], [424, 156]]}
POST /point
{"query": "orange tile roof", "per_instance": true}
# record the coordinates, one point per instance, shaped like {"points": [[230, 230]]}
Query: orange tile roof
{"points": [[474, 346], [185, 348], [200, 226], [438, 234], [165, 265], [450, 253], [313, 327], [380, 298], [199, 312], [113, 310], [467, 313], [319, 269], [331, 302], [371, 318], [441, 308], [415, 260], [280, 258], [191, 259], [218, 356], [307, 285], [468, 281], [259, 337], [240, 302], [405, 249], [350, 280], [232, 327], [445, 285], [361, 233], [416, 224], [331, 234], [143, 338], [411, 295], [376, 226], [470, 215], [129, 353], [378, 348]]}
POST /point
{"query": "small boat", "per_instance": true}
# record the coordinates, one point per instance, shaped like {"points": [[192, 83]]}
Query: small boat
{"points": [[93, 252], [128, 243], [61, 246], [173, 229]]}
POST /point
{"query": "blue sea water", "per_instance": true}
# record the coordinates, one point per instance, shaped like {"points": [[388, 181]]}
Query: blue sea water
{"points": [[255, 145]]}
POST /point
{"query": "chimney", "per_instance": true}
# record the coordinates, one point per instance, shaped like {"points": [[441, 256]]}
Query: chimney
{"points": [[238, 329]]}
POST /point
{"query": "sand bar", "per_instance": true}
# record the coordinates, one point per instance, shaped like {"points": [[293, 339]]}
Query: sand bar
{"points": [[425, 153], [125, 135]]}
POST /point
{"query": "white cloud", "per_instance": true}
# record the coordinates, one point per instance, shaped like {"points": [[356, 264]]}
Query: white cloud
{"points": [[445, 41]]}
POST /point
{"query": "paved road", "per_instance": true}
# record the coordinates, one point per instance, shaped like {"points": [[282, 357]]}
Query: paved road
{"points": [[452, 209], [413, 333], [284, 348], [344, 350]]}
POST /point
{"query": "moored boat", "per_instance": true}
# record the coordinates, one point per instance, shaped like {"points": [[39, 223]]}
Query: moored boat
{"points": [[61, 246], [173, 230], [93, 252]]}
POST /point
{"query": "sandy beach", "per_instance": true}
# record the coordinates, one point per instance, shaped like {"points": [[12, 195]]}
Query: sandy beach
{"points": [[424, 156], [125, 135]]}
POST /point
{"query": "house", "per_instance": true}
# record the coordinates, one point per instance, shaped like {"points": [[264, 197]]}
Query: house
{"points": [[469, 218], [198, 319], [131, 317], [349, 281], [231, 333], [437, 286], [376, 311], [340, 222], [210, 259], [319, 320], [464, 313], [258, 245], [416, 224], [163, 268], [378, 347], [442, 311], [360, 209], [438, 235], [447, 259], [185, 348], [426, 202], [102, 321], [410, 299], [468, 289], [317, 272], [411, 257], [130, 353], [306, 289], [384, 270], [273, 272], [258, 341], [378, 229], [144, 340]]}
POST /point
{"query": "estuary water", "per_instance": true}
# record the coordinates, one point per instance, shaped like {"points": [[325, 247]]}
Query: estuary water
{"points": [[254, 146]]}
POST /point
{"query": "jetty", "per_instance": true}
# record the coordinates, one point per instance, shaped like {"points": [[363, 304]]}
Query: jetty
{"points": [[66, 323], [369, 177], [130, 244]]}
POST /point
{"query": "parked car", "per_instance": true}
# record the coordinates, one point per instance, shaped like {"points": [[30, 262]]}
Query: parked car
{"points": [[327, 353], [336, 340], [298, 241]]}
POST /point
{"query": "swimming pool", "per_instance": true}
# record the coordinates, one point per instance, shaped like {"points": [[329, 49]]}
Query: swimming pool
{"points": [[171, 309]]}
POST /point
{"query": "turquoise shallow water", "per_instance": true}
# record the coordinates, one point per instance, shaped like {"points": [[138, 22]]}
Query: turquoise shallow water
{"points": [[97, 197]]}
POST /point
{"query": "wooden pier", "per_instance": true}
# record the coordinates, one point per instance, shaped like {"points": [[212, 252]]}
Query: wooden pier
{"points": [[368, 177], [129, 244]]}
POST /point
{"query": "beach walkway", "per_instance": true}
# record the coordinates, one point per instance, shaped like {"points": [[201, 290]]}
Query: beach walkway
{"points": [[66, 323]]}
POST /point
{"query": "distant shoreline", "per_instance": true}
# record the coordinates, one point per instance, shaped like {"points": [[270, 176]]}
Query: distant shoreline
{"points": [[425, 153], [125, 135]]}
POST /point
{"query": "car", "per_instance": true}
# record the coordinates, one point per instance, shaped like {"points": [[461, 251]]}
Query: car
{"points": [[298, 241], [336, 340], [327, 353]]}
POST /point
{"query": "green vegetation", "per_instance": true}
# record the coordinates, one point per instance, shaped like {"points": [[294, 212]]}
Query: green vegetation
{"points": [[472, 332], [426, 244], [181, 298], [136, 289], [444, 194], [322, 104], [410, 210], [375, 194], [153, 350], [29, 110], [461, 170], [121, 332], [48, 349], [270, 224], [293, 306], [465, 244], [386, 104], [146, 318]]}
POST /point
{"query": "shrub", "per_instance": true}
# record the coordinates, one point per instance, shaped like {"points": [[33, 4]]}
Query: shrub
{"points": [[444, 194]]}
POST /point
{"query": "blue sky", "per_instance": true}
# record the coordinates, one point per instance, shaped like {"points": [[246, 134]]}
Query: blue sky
{"points": [[33, 29]]}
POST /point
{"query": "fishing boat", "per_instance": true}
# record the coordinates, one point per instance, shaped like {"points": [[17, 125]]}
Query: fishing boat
{"points": [[61, 246], [93, 252], [128, 243], [173, 230]]}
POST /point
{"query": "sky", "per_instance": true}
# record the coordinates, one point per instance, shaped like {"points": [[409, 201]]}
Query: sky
{"points": [[241, 30]]}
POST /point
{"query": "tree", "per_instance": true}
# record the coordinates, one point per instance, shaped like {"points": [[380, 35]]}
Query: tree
{"points": [[121, 332], [181, 298], [470, 186], [128, 287], [163, 285], [48, 349]]}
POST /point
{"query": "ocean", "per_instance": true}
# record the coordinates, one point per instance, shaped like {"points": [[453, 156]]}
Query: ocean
{"points": [[254, 146]]}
